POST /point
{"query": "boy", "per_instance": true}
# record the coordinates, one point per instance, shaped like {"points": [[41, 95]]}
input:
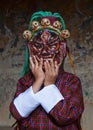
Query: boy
{"points": [[47, 97]]}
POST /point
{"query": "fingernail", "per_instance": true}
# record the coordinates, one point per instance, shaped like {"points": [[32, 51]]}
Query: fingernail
{"points": [[46, 61], [30, 57]]}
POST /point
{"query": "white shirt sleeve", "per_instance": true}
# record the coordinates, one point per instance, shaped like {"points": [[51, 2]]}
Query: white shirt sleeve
{"points": [[25, 103], [28, 101], [48, 97]]}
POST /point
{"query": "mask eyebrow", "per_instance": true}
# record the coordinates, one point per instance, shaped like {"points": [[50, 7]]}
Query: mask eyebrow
{"points": [[54, 40]]}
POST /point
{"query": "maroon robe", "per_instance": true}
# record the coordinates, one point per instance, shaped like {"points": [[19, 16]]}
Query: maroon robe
{"points": [[65, 115]]}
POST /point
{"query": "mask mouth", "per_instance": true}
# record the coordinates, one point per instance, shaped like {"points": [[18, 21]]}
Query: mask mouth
{"points": [[47, 57]]}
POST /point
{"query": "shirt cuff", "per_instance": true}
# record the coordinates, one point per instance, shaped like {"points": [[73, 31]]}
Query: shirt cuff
{"points": [[25, 103], [48, 97]]}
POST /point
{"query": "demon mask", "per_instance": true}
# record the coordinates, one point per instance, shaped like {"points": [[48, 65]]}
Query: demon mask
{"points": [[47, 38]]}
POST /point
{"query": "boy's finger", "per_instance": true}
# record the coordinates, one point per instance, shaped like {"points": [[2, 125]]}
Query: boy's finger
{"points": [[35, 61], [31, 62], [41, 63], [56, 66], [46, 66], [52, 65]]}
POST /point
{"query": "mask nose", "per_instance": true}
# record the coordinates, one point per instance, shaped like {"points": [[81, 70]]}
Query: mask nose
{"points": [[44, 50]]}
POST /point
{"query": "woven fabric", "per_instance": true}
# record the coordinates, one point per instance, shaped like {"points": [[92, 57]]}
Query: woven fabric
{"points": [[64, 116]]}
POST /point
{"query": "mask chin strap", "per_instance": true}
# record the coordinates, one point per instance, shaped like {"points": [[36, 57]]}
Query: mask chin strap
{"points": [[70, 60]]}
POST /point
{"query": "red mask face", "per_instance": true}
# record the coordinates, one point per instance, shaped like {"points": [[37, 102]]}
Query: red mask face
{"points": [[48, 45]]}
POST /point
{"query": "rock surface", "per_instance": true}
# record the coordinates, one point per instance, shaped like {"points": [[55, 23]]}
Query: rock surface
{"points": [[13, 21]]}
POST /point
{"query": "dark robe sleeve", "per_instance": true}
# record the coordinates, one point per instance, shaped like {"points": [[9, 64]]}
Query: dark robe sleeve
{"points": [[21, 87], [70, 109]]}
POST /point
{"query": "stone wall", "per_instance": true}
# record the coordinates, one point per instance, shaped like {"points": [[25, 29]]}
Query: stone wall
{"points": [[14, 19]]}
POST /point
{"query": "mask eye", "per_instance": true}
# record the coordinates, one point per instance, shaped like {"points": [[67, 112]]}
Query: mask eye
{"points": [[57, 24], [35, 24], [37, 45], [45, 22]]}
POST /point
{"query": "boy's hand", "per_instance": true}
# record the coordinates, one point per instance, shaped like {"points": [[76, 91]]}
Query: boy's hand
{"points": [[51, 72], [36, 68]]}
